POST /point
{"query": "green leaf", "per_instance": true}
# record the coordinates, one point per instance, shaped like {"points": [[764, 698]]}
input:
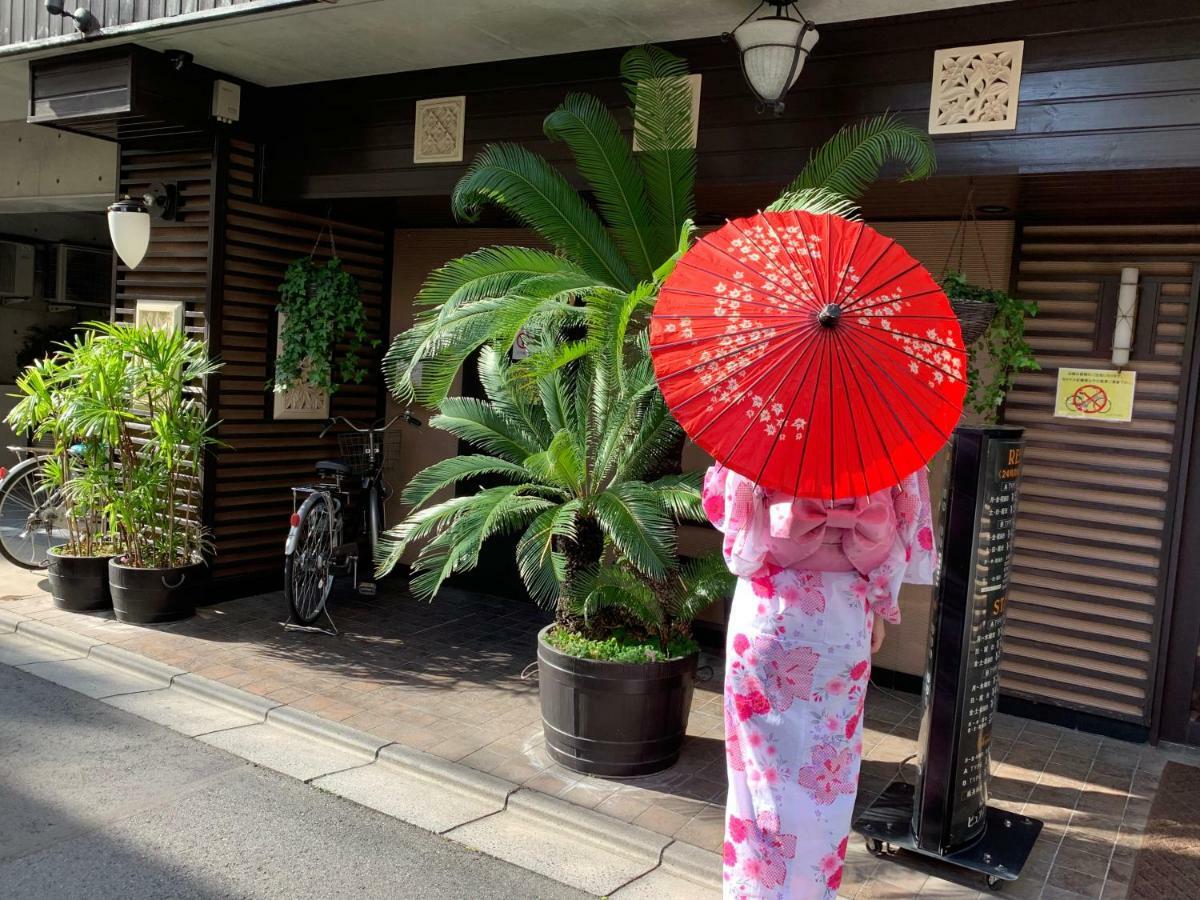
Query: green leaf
{"points": [[657, 85], [476, 422], [603, 157], [633, 518], [851, 160], [534, 192]]}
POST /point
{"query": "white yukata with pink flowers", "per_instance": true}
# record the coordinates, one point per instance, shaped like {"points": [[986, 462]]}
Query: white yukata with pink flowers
{"points": [[798, 658]]}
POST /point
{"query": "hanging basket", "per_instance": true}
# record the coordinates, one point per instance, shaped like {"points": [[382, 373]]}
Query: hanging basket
{"points": [[974, 316]]}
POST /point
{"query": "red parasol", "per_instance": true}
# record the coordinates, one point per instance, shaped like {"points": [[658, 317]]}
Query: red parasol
{"points": [[809, 353]]}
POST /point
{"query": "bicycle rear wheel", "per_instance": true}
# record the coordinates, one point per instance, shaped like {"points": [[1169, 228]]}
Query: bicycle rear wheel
{"points": [[31, 517], [307, 570]]}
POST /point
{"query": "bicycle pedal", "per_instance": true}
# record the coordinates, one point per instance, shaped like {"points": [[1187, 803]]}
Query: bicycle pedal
{"points": [[367, 589]]}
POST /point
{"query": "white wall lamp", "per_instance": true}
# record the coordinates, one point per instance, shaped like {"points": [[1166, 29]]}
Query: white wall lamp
{"points": [[1127, 298], [773, 48], [129, 221]]}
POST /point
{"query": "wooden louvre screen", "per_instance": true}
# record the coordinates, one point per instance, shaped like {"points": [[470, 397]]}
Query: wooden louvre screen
{"points": [[264, 457], [1097, 499]]}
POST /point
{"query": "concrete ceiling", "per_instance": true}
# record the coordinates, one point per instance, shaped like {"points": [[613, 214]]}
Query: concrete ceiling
{"points": [[325, 41]]}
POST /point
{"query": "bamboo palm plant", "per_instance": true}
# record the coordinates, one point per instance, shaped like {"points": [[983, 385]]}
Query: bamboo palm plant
{"points": [[78, 470], [149, 411]]}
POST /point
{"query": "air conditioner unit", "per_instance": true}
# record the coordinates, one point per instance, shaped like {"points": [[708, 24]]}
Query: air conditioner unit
{"points": [[84, 276], [16, 269]]}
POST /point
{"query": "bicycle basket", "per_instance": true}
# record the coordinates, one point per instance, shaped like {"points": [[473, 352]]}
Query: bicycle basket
{"points": [[356, 452]]}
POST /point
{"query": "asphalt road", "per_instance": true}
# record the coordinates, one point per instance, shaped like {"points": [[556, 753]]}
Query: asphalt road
{"points": [[97, 803]]}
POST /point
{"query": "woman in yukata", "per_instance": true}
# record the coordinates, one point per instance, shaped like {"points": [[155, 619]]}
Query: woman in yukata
{"points": [[815, 585]]}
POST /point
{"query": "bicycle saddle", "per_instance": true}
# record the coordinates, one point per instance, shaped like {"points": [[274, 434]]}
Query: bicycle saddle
{"points": [[332, 467]]}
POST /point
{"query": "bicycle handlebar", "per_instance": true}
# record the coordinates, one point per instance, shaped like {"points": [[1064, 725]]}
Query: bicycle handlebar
{"points": [[407, 416]]}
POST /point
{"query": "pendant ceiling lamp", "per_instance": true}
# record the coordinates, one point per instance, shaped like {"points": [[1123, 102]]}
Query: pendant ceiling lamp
{"points": [[774, 47], [129, 221]]}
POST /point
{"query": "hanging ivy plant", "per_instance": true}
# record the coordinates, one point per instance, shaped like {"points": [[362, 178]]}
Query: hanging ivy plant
{"points": [[320, 307], [1003, 344]]}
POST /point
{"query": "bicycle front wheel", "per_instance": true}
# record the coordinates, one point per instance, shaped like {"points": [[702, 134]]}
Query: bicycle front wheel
{"points": [[32, 519], [307, 570]]}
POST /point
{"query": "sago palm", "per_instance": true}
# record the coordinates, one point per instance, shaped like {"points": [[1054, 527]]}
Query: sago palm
{"points": [[569, 451]]}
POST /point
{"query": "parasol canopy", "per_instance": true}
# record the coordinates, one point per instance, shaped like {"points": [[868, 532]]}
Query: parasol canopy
{"points": [[809, 353]]}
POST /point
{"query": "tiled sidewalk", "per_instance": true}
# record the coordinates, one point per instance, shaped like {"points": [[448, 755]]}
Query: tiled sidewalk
{"points": [[447, 678]]}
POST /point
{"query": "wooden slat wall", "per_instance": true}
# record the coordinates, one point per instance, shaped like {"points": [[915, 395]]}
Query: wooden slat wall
{"points": [[1106, 85], [1096, 500], [250, 500], [176, 265]]}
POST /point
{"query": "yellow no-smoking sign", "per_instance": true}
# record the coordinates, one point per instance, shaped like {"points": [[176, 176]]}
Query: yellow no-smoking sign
{"points": [[1102, 395]]}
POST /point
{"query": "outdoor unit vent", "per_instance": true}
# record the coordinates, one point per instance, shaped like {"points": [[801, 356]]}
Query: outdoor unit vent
{"points": [[84, 276], [16, 270]]}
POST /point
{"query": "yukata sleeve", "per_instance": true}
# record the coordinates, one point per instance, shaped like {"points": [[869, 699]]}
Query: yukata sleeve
{"points": [[914, 524], [738, 509]]}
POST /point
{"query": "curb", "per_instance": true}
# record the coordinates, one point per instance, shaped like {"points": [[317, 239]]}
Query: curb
{"points": [[221, 694], [624, 838], [59, 637], [686, 861], [443, 772], [342, 736], [695, 864], [120, 658], [10, 620]]}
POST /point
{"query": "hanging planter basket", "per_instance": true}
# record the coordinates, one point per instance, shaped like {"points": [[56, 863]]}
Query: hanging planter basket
{"points": [[974, 316]]}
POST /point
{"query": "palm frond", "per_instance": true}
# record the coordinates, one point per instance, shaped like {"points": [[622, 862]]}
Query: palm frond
{"points": [[632, 517], [476, 422], [703, 580], [680, 494], [817, 201], [450, 471], [541, 565], [852, 159], [657, 85], [603, 157], [534, 192]]}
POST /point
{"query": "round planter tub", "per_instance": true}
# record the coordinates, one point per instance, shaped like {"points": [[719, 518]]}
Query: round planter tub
{"points": [[147, 596], [79, 583], [613, 719]]}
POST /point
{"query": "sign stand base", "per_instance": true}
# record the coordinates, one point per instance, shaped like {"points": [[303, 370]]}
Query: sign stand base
{"points": [[998, 854]]}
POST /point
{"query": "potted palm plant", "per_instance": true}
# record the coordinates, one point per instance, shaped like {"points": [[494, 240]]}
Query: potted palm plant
{"points": [[570, 449], [76, 470], [156, 423], [577, 437]]}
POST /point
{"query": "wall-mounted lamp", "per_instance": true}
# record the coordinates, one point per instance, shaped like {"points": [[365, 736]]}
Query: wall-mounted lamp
{"points": [[129, 221], [774, 48], [1127, 298], [85, 22]]}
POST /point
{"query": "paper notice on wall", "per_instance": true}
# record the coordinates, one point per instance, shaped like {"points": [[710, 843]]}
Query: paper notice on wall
{"points": [[1100, 395]]}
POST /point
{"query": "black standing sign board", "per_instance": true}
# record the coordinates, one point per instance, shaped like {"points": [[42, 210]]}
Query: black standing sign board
{"points": [[945, 813]]}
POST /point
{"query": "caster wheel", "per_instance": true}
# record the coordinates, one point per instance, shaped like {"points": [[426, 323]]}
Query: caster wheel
{"points": [[875, 846], [994, 882]]}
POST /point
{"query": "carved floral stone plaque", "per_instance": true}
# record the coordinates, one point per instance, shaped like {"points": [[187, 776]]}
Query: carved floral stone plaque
{"points": [[976, 88]]}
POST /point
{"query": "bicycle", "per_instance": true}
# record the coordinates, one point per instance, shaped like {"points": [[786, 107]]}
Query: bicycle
{"points": [[32, 517], [319, 545]]}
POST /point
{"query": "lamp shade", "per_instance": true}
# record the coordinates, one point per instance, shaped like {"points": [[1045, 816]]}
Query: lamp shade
{"points": [[773, 51], [129, 229]]}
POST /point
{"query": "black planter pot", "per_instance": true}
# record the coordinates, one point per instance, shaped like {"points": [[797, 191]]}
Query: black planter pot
{"points": [[147, 596], [79, 583], [613, 719]]}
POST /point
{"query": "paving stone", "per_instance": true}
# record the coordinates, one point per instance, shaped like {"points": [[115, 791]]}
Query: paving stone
{"points": [[18, 650], [283, 750], [182, 711], [95, 679], [405, 795], [544, 835]]}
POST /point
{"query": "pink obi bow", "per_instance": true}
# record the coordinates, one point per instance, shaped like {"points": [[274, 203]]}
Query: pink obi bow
{"points": [[867, 532]]}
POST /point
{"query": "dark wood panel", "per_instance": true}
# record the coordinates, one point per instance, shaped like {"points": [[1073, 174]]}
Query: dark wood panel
{"points": [[1107, 85], [250, 477]]}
